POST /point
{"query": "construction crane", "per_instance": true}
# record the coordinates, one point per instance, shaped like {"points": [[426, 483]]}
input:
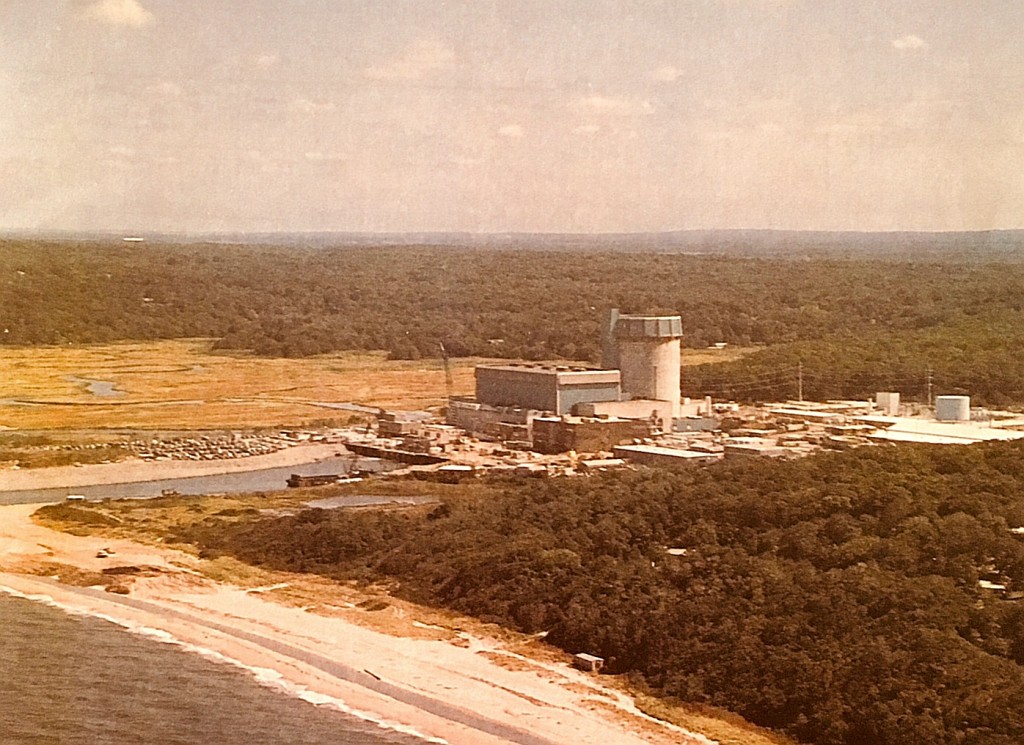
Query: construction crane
{"points": [[448, 383]]}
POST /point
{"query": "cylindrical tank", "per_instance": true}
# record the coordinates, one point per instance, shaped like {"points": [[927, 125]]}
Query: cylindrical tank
{"points": [[648, 354], [953, 408]]}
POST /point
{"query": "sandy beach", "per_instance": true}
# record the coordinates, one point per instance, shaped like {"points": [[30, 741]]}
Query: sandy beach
{"points": [[471, 691], [133, 470]]}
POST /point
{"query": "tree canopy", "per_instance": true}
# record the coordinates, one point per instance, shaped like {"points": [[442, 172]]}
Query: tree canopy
{"points": [[835, 598], [857, 325]]}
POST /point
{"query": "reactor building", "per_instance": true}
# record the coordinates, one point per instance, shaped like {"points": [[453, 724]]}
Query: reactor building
{"points": [[636, 391], [645, 350]]}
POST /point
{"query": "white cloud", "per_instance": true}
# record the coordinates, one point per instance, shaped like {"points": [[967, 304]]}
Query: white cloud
{"points": [[267, 60], [910, 41], [666, 74], [418, 60], [512, 131], [119, 13], [122, 150], [306, 106], [587, 129]]}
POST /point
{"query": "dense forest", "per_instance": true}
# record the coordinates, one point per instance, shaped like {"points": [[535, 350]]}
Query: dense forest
{"points": [[835, 598], [975, 353], [857, 325]]}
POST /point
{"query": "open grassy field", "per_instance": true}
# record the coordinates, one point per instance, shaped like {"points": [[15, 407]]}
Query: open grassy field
{"points": [[185, 384], [709, 356]]}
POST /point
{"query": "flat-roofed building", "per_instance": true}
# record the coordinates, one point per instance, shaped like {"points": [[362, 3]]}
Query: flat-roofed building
{"points": [[654, 455], [906, 429], [756, 447], [807, 415], [562, 434], [651, 410], [953, 408], [495, 422], [554, 388], [587, 662]]}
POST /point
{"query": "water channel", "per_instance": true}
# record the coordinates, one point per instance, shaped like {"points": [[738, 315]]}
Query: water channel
{"points": [[268, 479]]}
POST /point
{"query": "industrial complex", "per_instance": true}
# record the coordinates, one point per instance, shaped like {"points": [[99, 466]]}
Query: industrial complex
{"points": [[635, 393], [537, 417]]}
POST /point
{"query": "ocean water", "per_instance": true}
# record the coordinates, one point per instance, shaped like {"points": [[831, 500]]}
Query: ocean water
{"points": [[70, 680]]}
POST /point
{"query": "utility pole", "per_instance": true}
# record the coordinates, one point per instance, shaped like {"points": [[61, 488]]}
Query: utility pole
{"points": [[800, 380], [928, 380], [448, 382]]}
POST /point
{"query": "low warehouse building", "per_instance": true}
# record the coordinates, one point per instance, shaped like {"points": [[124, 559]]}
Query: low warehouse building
{"points": [[755, 447], [554, 388], [653, 455]]}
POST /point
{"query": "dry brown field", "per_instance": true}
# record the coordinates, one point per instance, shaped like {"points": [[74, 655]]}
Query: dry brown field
{"points": [[691, 357], [185, 384]]}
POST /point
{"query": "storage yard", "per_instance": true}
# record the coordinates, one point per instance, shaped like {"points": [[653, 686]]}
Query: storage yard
{"points": [[789, 429]]}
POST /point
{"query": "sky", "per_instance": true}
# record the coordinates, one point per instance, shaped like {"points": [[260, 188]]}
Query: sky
{"points": [[583, 116]]}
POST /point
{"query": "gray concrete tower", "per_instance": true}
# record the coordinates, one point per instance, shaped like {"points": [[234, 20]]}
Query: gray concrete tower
{"points": [[647, 351]]}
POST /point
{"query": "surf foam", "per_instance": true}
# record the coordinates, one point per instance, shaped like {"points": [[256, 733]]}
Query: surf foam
{"points": [[264, 676]]}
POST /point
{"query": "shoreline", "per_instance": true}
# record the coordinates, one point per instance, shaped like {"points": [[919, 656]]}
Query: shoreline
{"points": [[90, 603], [444, 690], [134, 470]]}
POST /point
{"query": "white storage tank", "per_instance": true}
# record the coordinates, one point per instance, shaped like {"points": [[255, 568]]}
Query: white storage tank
{"points": [[953, 408]]}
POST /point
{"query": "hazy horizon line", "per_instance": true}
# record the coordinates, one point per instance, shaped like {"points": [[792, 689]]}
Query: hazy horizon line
{"points": [[128, 232]]}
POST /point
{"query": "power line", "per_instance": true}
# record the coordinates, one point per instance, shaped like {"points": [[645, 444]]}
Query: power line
{"points": [[776, 380]]}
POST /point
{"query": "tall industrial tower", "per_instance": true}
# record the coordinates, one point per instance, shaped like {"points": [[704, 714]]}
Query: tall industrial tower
{"points": [[646, 350]]}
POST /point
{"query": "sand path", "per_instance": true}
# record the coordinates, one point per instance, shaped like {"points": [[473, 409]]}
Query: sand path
{"points": [[439, 690]]}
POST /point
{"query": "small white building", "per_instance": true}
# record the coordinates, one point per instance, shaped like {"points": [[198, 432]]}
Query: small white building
{"points": [[888, 403], [587, 662], [953, 408]]}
